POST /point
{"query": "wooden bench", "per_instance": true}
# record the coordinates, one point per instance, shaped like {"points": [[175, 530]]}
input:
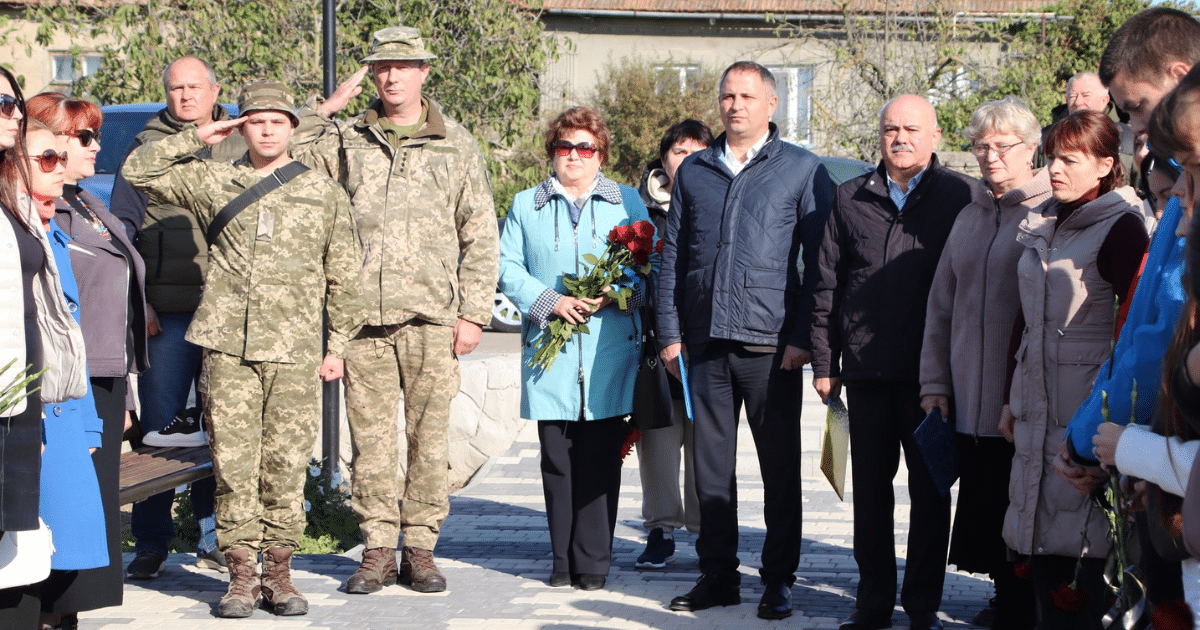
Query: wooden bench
{"points": [[149, 470]]}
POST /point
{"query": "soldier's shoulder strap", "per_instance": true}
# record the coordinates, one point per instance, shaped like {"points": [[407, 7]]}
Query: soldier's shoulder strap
{"points": [[277, 178]]}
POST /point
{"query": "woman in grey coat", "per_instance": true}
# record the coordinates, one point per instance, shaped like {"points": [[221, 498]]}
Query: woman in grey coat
{"points": [[969, 320]]}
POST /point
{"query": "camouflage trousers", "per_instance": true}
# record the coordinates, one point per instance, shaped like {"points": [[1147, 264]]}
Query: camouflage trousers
{"points": [[263, 421], [418, 357]]}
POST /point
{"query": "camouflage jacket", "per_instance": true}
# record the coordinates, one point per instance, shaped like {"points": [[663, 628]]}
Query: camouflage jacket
{"points": [[167, 236], [275, 263], [424, 214]]}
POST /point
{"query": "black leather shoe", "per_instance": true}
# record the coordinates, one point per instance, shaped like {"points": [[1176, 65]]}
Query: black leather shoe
{"points": [[711, 590], [560, 579], [924, 621], [863, 620], [776, 602], [591, 582]]}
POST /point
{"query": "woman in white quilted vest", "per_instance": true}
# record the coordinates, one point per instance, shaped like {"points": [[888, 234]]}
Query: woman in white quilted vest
{"points": [[36, 331], [1083, 248]]}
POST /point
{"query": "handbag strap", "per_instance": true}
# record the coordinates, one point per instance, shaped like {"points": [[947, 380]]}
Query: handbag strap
{"points": [[277, 178]]}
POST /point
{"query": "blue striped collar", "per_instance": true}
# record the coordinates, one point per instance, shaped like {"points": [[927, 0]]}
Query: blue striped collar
{"points": [[605, 188]]}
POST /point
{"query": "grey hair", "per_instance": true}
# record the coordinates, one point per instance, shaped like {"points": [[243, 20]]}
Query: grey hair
{"points": [[208, 69], [1081, 75], [1008, 114], [763, 73]]}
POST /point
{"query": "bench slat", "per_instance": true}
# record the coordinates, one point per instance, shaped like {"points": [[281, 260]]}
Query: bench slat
{"points": [[149, 470]]}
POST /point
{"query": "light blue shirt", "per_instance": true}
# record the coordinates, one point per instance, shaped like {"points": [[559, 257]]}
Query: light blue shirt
{"points": [[899, 197], [732, 162]]}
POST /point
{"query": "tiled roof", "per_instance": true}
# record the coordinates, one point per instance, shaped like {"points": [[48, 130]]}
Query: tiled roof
{"points": [[785, 7]]}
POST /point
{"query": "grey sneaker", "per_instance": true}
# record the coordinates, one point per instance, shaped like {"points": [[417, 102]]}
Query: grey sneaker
{"points": [[213, 561], [146, 566]]}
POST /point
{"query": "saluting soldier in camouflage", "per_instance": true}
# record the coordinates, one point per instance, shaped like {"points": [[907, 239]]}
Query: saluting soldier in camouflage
{"points": [[270, 271], [424, 210]]}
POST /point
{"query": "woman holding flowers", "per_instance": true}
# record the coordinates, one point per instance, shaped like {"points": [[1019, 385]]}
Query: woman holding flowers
{"points": [[1082, 250], [579, 347]]}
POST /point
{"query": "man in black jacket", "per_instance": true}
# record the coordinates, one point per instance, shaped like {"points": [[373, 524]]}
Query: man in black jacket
{"points": [[743, 212], [881, 248]]}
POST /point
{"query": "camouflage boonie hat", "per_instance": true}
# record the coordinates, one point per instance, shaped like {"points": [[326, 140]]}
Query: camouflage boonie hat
{"points": [[268, 95], [397, 43]]}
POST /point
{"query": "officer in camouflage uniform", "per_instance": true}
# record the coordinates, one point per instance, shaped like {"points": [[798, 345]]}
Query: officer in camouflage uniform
{"points": [[270, 271], [424, 211]]}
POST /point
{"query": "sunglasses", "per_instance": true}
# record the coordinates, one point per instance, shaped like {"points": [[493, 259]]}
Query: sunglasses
{"points": [[9, 105], [562, 148], [85, 136], [49, 159]]}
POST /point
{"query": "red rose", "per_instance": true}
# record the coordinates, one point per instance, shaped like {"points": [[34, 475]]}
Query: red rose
{"points": [[658, 247], [625, 234], [640, 250], [1172, 615], [1068, 600], [631, 436], [1023, 570], [644, 229], [612, 235]]}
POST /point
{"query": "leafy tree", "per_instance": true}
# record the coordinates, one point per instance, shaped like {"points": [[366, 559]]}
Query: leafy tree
{"points": [[1039, 55], [490, 53], [874, 57], [639, 103]]}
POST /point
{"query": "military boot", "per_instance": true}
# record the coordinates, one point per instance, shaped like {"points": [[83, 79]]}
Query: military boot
{"points": [[243, 596], [277, 587], [418, 570], [378, 569]]}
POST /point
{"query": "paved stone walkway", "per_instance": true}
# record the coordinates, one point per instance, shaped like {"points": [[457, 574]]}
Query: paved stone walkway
{"points": [[495, 552]]}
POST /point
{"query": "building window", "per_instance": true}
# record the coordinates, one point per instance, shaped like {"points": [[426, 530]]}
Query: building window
{"points": [[678, 78], [793, 86], [69, 68]]}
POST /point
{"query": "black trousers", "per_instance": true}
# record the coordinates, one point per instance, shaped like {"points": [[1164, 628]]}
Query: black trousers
{"points": [[883, 416], [723, 376], [581, 479]]}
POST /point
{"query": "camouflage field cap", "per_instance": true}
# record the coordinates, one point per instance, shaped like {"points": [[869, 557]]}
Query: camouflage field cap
{"points": [[268, 95], [397, 43]]}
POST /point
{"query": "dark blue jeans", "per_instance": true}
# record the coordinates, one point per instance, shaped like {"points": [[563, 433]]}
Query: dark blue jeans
{"points": [[163, 390]]}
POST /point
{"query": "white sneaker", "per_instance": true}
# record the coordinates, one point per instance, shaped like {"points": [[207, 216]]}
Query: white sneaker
{"points": [[185, 430]]}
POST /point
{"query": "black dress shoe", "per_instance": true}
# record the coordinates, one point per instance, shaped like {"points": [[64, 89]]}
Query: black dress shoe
{"points": [[560, 579], [711, 590], [776, 602], [591, 582], [924, 621], [863, 620]]}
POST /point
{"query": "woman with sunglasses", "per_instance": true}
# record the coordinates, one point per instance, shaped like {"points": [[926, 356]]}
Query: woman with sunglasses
{"points": [[70, 494], [579, 402], [111, 280], [37, 330]]}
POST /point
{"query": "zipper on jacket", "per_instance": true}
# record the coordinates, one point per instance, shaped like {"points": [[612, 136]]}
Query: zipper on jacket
{"points": [[982, 318], [579, 338]]}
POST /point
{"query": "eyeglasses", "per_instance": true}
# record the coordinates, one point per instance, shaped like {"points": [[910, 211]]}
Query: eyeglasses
{"points": [[562, 148], [49, 159], [9, 105], [983, 150], [85, 136]]}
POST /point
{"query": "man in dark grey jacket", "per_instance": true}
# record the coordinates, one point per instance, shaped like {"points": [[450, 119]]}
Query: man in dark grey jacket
{"points": [[744, 212], [881, 248]]}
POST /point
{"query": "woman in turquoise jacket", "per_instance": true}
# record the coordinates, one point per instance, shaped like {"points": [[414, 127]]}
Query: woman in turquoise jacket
{"points": [[580, 401]]}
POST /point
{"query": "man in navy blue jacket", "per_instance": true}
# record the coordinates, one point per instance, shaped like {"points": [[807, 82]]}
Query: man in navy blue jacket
{"points": [[882, 244], [746, 215]]}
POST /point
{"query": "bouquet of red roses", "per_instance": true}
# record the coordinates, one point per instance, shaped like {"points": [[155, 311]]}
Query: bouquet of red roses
{"points": [[627, 257]]}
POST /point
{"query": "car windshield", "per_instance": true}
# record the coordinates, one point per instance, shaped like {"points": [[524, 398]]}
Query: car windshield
{"points": [[118, 131]]}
